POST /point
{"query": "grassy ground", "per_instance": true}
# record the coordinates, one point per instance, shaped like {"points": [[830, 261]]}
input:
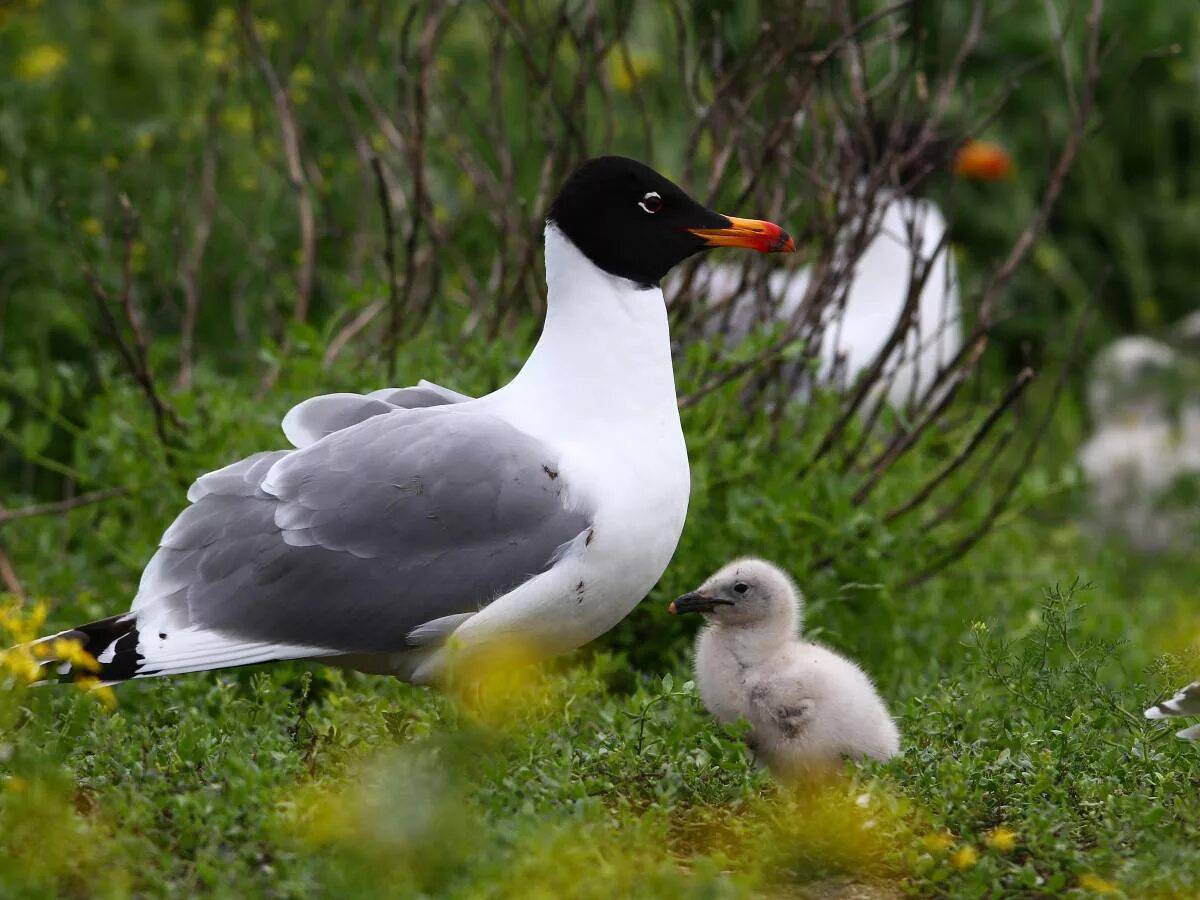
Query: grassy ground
{"points": [[1018, 675], [1018, 678]]}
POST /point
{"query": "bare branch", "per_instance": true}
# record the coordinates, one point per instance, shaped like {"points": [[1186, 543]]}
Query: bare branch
{"points": [[60, 506], [134, 352], [8, 575], [289, 134], [189, 274], [1015, 390]]}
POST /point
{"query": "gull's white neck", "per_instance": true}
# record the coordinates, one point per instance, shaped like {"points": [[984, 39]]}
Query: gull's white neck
{"points": [[604, 357]]}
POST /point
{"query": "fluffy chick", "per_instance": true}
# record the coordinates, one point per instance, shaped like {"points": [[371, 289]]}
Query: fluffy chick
{"points": [[807, 706]]}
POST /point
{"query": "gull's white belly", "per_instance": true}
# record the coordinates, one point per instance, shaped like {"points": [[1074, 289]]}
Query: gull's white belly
{"points": [[607, 571], [599, 392], [634, 537]]}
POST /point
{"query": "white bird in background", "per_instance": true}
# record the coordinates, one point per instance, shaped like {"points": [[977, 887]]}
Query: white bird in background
{"points": [[1145, 439], [1187, 331], [1184, 703], [528, 521], [807, 706], [903, 226]]}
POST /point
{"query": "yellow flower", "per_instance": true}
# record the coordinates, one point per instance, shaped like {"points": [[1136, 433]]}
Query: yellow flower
{"points": [[99, 690], [91, 227], [938, 841], [301, 81], [71, 651], [21, 663], [1096, 884], [22, 628], [84, 124], [1002, 839], [238, 119], [626, 73], [41, 62], [268, 30], [224, 21], [964, 857], [216, 56], [110, 163], [137, 256], [144, 141]]}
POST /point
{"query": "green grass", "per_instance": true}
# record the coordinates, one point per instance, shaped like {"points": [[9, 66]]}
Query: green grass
{"points": [[1018, 675], [1018, 689]]}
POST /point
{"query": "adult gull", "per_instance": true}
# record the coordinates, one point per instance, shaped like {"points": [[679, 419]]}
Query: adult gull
{"points": [[538, 515]]}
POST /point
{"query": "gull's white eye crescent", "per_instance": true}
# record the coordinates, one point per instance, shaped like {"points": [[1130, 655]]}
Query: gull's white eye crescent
{"points": [[651, 202]]}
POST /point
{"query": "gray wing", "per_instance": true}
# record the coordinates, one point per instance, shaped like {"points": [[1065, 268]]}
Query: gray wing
{"points": [[357, 540], [424, 394], [312, 419]]}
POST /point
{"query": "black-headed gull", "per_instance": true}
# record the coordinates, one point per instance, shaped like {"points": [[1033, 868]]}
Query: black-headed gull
{"points": [[407, 527]]}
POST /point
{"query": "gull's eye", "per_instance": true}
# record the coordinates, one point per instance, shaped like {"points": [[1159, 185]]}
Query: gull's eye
{"points": [[651, 202], [741, 587]]}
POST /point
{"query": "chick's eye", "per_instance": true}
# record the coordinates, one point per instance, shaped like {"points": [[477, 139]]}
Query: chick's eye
{"points": [[651, 202], [741, 587]]}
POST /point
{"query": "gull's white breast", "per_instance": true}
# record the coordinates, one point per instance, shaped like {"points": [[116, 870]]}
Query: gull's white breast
{"points": [[599, 390]]}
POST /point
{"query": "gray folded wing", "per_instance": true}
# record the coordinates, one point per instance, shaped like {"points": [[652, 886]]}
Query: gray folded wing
{"points": [[312, 419], [360, 538]]}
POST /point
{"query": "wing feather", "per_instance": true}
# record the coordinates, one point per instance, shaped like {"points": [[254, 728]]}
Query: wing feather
{"points": [[353, 542]]}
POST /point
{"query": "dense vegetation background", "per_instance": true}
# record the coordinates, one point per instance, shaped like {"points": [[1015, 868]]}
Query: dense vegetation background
{"points": [[142, 145]]}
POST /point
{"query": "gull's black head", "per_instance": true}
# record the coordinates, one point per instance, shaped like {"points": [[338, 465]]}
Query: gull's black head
{"points": [[632, 222]]}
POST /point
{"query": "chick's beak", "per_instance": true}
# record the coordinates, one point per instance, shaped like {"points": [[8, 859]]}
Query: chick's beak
{"points": [[754, 234], [695, 602], [983, 161]]}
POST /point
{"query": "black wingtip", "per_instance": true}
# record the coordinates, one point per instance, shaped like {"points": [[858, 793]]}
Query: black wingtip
{"points": [[115, 638]]}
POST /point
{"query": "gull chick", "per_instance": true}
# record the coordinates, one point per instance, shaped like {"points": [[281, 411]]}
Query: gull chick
{"points": [[807, 706]]}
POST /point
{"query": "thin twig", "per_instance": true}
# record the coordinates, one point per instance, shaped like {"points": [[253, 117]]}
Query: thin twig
{"points": [[392, 341], [60, 506], [1023, 379], [189, 274], [961, 547], [135, 351], [8, 573]]}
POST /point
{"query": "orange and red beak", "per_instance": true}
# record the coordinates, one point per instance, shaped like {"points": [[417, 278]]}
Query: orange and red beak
{"points": [[983, 161], [754, 234]]}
